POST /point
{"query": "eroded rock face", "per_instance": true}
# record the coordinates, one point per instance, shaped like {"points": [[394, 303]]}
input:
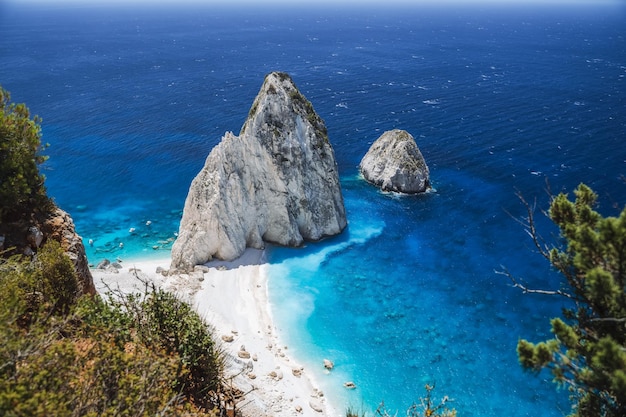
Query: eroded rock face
{"points": [[60, 227], [276, 182], [395, 163], [27, 235]]}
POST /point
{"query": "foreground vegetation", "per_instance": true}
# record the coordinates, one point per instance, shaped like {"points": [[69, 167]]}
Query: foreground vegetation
{"points": [[67, 355], [426, 407], [588, 352], [21, 184]]}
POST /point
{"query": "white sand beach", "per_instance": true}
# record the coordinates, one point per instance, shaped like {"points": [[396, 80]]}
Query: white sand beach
{"points": [[233, 298]]}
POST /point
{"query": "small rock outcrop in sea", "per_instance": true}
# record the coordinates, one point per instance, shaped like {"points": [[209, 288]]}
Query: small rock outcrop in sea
{"points": [[395, 163], [276, 182]]}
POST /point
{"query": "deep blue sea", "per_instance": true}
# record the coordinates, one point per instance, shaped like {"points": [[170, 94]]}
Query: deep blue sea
{"points": [[500, 100]]}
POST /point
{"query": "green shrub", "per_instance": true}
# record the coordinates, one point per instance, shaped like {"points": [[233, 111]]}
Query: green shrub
{"points": [[21, 185], [587, 354], [137, 355], [160, 321], [55, 277], [175, 327], [32, 291]]}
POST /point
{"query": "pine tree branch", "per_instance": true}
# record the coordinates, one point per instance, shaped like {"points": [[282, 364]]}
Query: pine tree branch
{"points": [[528, 223], [526, 290], [609, 319]]}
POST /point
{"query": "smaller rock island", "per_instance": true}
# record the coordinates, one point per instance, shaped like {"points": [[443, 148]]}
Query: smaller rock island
{"points": [[395, 163]]}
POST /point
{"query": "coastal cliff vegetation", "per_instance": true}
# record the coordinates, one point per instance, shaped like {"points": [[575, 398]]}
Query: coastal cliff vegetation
{"points": [[587, 354], [65, 352], [67, 355], [21, 183]]}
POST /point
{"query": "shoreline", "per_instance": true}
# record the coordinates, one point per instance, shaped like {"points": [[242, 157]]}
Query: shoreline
{"points": [[233, 299]]}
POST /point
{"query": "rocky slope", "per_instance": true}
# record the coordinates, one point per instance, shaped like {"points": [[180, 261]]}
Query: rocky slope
{"points": [[27, 235], [395, 163], [60, 227], [276, 182]]}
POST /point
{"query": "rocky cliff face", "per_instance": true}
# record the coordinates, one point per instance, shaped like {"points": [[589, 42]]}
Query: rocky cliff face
{"points": [[60, 227], [395, 163], [276, 182], [27, 235]]}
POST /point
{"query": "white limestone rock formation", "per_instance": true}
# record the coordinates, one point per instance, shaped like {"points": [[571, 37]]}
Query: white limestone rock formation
{"points": [[276, 182], [395, 163]]}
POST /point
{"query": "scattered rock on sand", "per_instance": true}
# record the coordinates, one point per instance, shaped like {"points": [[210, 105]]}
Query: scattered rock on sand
{"points": [[298, 408], [316, 405], [228, 338], [297, 372], [252, 375], [243, 353], [103, 264], [198, 275], [276, 375], [328, 364]]}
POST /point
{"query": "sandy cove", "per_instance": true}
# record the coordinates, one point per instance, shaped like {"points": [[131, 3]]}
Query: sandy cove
{"points": [[233, 298]]}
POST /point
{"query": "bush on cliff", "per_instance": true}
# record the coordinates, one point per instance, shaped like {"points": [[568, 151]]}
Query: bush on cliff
{"points": [[138, 355], [21, 184]]}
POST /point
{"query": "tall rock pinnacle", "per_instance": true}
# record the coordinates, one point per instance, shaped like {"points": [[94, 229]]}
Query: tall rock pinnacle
{"points": [[276, 182]]}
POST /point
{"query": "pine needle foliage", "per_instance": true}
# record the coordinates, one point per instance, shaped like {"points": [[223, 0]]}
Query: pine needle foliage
{"points": [[587, 354], [21, 184]]}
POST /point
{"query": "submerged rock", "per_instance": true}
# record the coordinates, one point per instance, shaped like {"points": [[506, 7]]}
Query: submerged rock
{"points": [[276, 182], [395, 163]]}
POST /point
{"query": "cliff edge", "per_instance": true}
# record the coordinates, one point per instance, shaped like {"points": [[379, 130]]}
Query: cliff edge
{"points": [[276, 182]]}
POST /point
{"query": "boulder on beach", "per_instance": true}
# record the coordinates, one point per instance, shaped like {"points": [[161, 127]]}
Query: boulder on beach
{"points": [[277, 182], [395, 163]]}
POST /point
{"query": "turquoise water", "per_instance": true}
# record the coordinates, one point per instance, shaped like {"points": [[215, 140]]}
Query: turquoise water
{"points": [[499, 100], [407, 297]]}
